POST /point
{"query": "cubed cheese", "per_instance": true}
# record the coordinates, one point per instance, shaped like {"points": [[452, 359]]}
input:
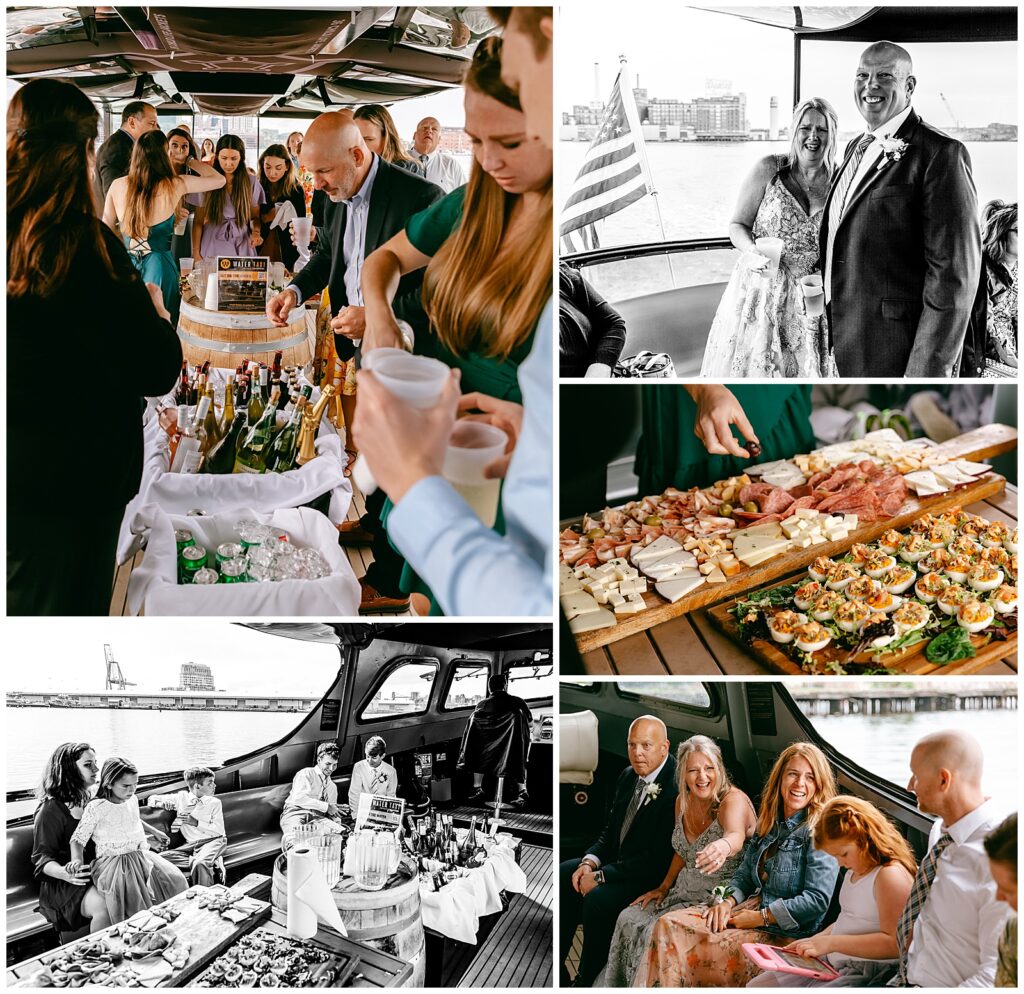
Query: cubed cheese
{"points": [[615, 598], [631, 605], [806, 512]]}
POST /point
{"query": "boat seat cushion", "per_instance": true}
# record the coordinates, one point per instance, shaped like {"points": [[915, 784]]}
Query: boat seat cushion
{"points": [[578, 750]]}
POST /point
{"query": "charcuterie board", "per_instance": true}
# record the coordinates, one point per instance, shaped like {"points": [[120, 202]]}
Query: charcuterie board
{"points": [[657, 610]]}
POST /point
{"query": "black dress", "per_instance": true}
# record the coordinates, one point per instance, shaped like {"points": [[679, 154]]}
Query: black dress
{"points": [[589, 329], [80, 363], [277, 244], [60, 903]]}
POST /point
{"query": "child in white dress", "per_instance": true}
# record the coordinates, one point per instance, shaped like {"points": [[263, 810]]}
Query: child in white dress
{"points": [[127, 875]]}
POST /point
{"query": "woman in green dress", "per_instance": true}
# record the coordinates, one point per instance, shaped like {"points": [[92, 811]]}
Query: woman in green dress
{"points": [[486, 248]]}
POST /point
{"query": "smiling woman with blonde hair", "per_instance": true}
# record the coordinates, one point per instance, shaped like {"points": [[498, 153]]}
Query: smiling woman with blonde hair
{"points": [[713, 821], [781, 889]]}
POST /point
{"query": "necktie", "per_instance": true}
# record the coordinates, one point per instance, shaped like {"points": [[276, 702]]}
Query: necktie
{"points": [[915, 902], [323, 788], [634, 806], [423, 158], [835, 208]]}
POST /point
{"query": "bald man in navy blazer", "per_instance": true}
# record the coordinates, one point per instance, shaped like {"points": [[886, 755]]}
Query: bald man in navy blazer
{"points": [[900, 237]]}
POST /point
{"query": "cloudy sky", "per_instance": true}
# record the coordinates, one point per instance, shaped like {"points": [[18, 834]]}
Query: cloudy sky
{"points": [[674, 50]]}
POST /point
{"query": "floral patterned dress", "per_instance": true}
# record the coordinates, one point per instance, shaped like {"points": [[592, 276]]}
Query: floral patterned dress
{"points": [[761, 328], [633, 928], [1002, 320]]}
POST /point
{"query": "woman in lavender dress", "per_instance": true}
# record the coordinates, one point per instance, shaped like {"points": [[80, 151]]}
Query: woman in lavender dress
{"points": [[228, 220]]}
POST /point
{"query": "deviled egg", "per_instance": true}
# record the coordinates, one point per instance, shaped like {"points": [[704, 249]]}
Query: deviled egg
{"points": [[861, 553], [997, 556], [985, 577], [851, 615], [806, 595], [879, 630], [890, 541], [826, 605], [940, 535], [821, 569], [975, 526], [952, 597], [811, 637], [934, 562], [842, 576], [955, 516], [958, 568], [964, 545], [994, 535], [898, 578], [914, 547], [784, 624], [930, 586], [879, 564], [882, 600], [974, 615], [922, 524], [910, 616], [862, 588], [1004, 600], [1010, 542]]}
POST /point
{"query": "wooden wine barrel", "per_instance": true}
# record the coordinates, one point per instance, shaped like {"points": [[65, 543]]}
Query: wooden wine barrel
{"points": [[388, 919], [226, 339]]}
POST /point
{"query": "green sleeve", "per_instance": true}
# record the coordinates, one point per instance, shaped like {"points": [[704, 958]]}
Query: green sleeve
{"points": [[430, 229]]}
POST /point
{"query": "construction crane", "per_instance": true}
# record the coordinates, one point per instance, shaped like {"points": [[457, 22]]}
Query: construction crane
{"points": [[115, 678], [956, 120]]}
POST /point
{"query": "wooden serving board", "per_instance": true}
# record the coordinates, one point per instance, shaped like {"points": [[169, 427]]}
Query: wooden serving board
{"points": [[981, 444], [910, 662], [752, 578]]}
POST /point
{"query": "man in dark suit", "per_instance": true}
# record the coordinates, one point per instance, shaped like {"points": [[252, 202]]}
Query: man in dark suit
{"points": [[630, 857], [900, 241], [115, 153], [369, 202]]}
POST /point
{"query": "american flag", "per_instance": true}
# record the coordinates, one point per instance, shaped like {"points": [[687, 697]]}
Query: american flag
{"points": [[613, 175]]}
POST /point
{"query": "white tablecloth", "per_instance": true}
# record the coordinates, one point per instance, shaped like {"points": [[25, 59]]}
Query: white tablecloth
{"points": [[456, 909]]}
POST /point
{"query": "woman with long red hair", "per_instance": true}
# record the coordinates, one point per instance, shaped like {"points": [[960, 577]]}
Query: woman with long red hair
{"points": [[75, 304]]}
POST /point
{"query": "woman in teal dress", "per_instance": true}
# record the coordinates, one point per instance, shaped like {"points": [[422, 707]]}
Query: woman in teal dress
{"points": [[486, 248], [142, 207]]}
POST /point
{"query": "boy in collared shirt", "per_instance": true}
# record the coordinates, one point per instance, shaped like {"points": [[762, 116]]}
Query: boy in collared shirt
{"points": [[200, 820]]}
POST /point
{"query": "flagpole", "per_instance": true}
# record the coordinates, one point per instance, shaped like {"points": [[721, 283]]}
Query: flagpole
{"points": [[633, 116]]}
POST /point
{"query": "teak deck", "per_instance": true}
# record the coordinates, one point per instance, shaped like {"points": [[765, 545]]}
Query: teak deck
{"points": [[692, 645]]}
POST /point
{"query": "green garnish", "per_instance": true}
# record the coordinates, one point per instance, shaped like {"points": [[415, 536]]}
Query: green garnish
{"points": [[949, 646]]}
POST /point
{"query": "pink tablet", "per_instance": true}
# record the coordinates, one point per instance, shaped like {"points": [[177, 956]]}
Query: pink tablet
{"points": [[776, 958]]}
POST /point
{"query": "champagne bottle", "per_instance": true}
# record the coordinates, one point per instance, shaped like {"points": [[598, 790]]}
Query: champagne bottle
{"points": [[286, 443], [188, 457], [257, 397], [252, 454], [310, 423], [221, 457], [228, 415], [213, 432]]}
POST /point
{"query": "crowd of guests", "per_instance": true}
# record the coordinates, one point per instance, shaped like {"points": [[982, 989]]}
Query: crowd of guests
{"points": [[98, 861], [686, 871], [400, 234]]}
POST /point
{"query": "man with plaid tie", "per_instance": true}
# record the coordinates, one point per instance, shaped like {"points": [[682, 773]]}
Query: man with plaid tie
{"points": [[900, 238], [313, 797], [630, 856], [949, 930]]}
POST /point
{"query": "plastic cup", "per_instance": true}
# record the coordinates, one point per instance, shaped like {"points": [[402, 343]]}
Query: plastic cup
{"points": [[771, 249], [472, 447], [811, 283], [303, 229], [370, 359], [416, 379], [186, 264]]}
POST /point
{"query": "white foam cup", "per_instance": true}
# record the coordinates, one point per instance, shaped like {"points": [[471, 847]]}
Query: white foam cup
{"points": [[472, 447], [771, 248]]}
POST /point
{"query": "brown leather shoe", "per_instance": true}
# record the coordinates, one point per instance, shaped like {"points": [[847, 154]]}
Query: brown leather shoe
{"points": [[353, 533], [374, 602]]}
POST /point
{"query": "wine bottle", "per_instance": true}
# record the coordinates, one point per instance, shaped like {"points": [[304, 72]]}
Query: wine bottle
{"points": [[189, 455], [227, 418], [251, 456], [221, 457], [213, 432], [181, 393], [286, 443], [257, 398], [176, 437], [310, 423]]}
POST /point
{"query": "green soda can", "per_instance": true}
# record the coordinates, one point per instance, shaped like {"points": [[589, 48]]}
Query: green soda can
{"points": [[233, 571], [193, 558], [183, 538], [227, 551], [205, 576]]}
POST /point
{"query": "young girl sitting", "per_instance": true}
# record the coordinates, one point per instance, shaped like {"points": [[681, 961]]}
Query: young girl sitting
{"points": [[861, 944], [127, 875]]}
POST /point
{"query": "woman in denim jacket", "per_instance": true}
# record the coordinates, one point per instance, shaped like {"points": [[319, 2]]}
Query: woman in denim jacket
{"points": [[780, 892]]}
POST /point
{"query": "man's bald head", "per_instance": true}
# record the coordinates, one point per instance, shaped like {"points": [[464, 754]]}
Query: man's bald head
{"points": [[884, 82], [946, 769], [427, 136], [333, 150], [647, 744], [956, 751]]}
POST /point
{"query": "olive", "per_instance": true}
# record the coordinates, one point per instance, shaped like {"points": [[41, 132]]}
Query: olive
{"points": [[652, 519], [725, 510], [754, 448], [595, 533], [751, 506]]}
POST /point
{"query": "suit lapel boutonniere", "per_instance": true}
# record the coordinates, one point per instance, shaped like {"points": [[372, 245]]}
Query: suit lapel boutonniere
{"points": [[651, 792], [892, 151]]}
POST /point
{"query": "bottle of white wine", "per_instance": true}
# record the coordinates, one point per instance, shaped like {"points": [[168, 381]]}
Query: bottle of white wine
{"points": [[286, 442], [189, 455], [252, 453]]}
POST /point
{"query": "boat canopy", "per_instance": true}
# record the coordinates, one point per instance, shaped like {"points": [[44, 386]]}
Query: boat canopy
{"points": [[901, 24], [456, 635], [253, 60]]}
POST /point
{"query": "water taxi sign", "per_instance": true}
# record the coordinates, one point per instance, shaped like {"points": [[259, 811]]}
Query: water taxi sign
{"points": [[242, 283], [385, 812]]}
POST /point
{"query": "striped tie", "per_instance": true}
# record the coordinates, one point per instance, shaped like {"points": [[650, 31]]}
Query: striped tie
{"points": [[915, 902], [835, 208], [634, 806]]}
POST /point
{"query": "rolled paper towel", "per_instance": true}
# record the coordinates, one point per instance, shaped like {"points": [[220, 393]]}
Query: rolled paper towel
{"points": [[309, 897], [211, 292]]}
